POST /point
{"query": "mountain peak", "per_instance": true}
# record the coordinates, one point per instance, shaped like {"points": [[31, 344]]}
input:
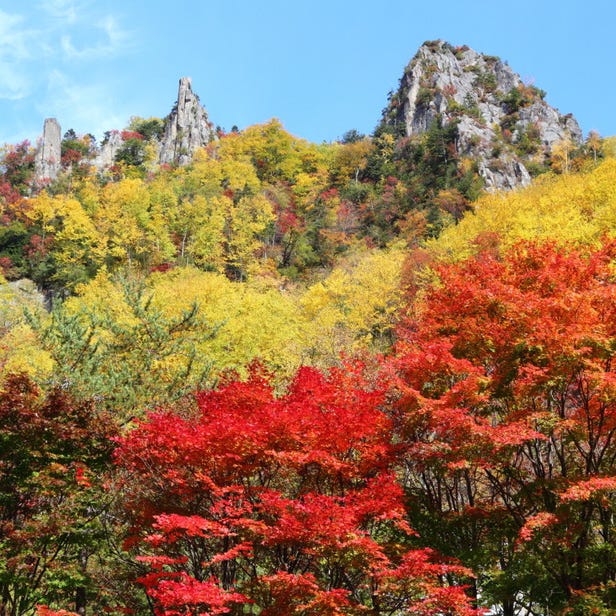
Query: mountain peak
{"points": [[502, 123]]}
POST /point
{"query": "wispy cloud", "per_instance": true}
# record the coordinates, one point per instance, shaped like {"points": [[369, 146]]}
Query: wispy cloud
{"points": [[65, 10], [118, 37], [115, 40], [15, 48], [14, 38], [56, 58]]}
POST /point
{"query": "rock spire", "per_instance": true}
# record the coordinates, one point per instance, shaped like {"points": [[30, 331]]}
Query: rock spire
{"points": [[47, 158], [187, 128]]}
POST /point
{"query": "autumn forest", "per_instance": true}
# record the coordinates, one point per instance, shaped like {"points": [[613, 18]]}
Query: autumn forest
{"points": [[290, 378]]}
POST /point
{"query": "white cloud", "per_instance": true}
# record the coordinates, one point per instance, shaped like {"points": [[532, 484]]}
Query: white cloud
{"points": [[116, 35], [15, 49], [14, 85], [115, 40], [55, 57], [65, 10], [14, 39]]}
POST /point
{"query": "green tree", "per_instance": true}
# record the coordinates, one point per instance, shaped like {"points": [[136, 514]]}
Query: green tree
{"points": [[115, 344]]}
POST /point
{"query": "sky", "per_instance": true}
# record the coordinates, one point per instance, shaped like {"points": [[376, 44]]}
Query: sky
{"points": [[322, 67]]}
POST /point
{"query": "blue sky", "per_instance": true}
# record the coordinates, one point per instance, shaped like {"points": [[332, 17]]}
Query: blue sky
{"points": [[321, 66]]}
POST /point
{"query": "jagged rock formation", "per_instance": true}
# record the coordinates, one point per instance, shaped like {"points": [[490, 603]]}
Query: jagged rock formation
{"points": [[187, 127], [47, 159], [502, 124], [105, 157]]}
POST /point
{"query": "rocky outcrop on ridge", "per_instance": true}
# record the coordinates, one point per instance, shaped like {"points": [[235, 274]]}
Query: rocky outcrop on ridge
{"points": [[503, 124], [47, 158], [106, 154], [187, 128]]}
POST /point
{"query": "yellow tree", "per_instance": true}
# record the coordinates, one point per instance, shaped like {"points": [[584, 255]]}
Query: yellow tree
{"points": [[112, 341], [246, 222], [576, 207], [20, 349], [70, 248], [133, 226], [561, 155], [349, 160], [253, 320], [593, 143], [355, 307]]}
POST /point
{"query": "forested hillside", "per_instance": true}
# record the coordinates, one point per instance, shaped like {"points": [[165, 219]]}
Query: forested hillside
{"points": [[292, 378]]}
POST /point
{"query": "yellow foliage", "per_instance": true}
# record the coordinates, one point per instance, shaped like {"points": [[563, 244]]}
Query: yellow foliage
{"points": [[20, 350], [103, 297], [355, 307], [609, 147], [204, 228], [133, 226], [561, 154], [577, 207], [239, 175], [246, 222], [352, 309], [88, 193], [350, 159], [251, 323], [76, 239], [275, 154]]}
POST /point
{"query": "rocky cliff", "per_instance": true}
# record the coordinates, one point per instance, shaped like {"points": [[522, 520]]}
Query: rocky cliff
{"points": [[187, 128], [503, 124]]}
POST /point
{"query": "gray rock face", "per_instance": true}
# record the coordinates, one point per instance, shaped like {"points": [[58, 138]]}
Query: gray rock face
{"points": [[105, 157], [502, 123], [187, 128], [47, 158]]}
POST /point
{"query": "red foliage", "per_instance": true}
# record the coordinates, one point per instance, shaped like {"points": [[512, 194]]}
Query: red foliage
{"points": [[288, 221], [584, 490], [506, 402], [38, 247], [6, 267], [289, 502], [131, 134], [329, 194], [173, 595], [71, 157], [43, 610], [17, 168], [161, 267], [8, 193]]}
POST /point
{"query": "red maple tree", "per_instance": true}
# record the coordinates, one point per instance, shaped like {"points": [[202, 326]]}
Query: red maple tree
{"points": [[506, 411], [287, 503]]}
